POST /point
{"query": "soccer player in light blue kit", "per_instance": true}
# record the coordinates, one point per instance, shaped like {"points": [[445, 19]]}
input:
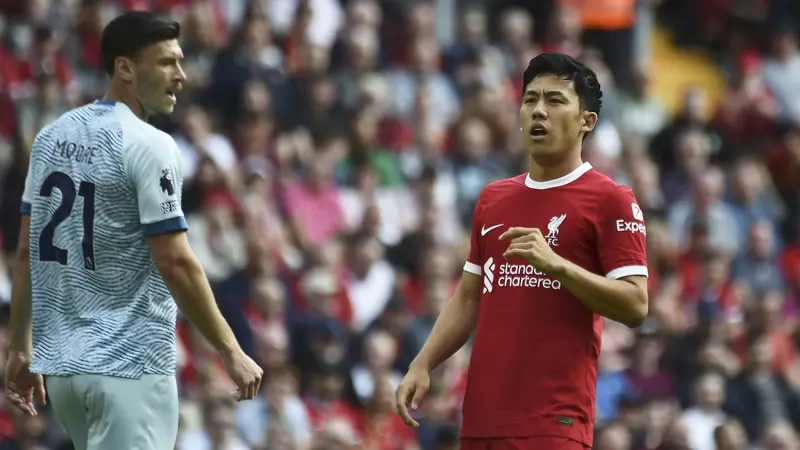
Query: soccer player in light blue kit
{"points": [[103, 245]]}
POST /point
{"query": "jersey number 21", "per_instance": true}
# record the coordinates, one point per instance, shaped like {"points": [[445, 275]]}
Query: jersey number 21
{"points": [[64, 183]]}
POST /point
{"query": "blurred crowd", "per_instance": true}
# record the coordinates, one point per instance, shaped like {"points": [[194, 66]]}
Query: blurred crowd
{"points": [[333, 152]]}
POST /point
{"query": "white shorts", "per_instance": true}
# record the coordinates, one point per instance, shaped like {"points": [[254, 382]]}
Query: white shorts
{"points": [[103, 413]]}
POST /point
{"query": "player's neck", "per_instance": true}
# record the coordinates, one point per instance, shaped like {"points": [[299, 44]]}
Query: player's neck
{"points": [[120, 94], [553, 170]]}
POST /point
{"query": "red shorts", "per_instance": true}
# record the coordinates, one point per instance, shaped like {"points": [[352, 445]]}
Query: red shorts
{"points": [[523, 443]]}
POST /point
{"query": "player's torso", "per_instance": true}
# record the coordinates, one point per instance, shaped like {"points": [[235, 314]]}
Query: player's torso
{"points": [[536, 347], [84, 213], [516, 289], [93, 280]]}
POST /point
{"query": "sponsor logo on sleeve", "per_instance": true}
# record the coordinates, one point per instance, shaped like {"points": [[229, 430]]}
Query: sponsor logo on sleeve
{"points": [[634, 226], [169, 206], [637, 212]]}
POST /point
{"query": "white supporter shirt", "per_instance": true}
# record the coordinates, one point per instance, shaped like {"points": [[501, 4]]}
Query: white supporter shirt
{"points": [[100, 181]]}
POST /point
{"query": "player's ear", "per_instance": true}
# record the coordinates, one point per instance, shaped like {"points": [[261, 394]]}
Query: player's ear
{"points": [[124, 68], [588, 121]]}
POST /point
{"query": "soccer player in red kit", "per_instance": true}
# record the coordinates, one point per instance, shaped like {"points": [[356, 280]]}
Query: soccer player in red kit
{"points": [[553, 251]]}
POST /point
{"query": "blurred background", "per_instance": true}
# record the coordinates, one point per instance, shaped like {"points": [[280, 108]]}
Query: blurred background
{"points": [[333, 152]]}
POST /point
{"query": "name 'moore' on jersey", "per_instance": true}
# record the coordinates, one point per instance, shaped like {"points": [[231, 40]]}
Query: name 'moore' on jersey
{"points": [[100, 181]]}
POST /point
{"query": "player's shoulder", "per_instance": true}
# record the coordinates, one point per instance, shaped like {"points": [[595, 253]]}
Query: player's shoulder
{"points": [[139, 133], [501, 188], [602, 185], [142, 140], [62, 123]]}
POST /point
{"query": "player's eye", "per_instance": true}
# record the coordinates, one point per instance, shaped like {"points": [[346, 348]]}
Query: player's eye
{"points": [[556, 101]]}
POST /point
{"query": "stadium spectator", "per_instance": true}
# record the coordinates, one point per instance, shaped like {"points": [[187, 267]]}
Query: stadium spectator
{"points": [[333, 152]]}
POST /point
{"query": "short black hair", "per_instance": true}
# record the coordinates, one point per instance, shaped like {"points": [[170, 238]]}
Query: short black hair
{"points": [[564, 66], [131, 32]]}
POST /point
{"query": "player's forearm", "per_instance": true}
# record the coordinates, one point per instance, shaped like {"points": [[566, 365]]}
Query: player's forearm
{"points": [[452, 328], [189, 286], [618, 300], [21, 339]]}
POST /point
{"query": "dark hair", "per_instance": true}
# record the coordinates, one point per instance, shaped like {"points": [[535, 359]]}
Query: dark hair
{"points": [[131, 32], [566, 67]]}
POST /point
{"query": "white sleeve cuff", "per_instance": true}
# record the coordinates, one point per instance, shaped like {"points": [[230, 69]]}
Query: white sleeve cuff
{"points": [[472, 268], [627, 271]]}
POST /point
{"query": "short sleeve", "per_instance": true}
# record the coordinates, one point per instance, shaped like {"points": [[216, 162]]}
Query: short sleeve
{"points": [[154, 169], [622, 242], [473, 263]]}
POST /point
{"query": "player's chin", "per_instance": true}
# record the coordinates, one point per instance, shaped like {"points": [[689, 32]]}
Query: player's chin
{"points": [[167, 108], [543, 147]]}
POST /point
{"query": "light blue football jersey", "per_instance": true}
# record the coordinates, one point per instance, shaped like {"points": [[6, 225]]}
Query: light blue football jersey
{"points": [[100, 181]]}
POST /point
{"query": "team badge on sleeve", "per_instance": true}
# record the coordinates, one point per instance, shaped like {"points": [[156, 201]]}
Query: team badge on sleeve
{"points": [[167, 182]]}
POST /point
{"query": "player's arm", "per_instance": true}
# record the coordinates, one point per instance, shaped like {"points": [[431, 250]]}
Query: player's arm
{"points": [[21, 329], [450, 331], [620, 295], [188, 284], [460, 316], [21, 336], [453, 326], [623, 300], [156, 176]]}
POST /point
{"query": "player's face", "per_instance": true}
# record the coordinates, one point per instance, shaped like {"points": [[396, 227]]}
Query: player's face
{"points": [[551, 116], [159, 76]]}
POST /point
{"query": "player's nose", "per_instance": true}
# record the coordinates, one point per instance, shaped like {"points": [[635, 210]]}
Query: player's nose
{"points": [[539, 110], [180, 75]]}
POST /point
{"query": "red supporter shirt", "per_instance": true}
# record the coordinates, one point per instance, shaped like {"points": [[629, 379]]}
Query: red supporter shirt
{"points": [[533, 370]]}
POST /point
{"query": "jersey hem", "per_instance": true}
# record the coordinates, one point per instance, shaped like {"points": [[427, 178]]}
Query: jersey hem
{"points": [[166, 226], [56, 373], [627, 271]]}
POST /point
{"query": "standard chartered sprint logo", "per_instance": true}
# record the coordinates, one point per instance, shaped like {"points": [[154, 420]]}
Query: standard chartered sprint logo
{"points": [[515, 275]]}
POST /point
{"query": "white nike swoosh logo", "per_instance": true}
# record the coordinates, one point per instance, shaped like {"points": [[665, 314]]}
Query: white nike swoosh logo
{"points": [[486, 230]]}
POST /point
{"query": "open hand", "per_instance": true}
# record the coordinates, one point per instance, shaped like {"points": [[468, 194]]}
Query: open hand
{"points": [[530, 245], [21, 385], [410, 393]]}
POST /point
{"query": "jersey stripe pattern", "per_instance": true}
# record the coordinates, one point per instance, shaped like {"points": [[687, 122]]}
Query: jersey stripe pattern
{"points": [[100, 305]]}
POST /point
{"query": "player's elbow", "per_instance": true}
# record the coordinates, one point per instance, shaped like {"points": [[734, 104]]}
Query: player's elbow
{"points": [[637, 313], [172, 255], [23, 254]]}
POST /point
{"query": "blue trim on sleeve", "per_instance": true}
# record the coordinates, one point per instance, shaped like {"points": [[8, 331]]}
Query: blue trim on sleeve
{"points": [[25, 208], [166, 226], [105, 102]]}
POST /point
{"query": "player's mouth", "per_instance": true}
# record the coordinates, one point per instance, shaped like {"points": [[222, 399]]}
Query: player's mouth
{"points": [[171, 94], [538, 132]]}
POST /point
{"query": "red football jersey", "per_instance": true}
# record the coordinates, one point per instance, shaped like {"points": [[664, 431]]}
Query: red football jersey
{"points": [[534, 362]]}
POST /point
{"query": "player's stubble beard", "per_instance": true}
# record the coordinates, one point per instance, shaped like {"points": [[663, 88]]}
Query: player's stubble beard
{"points": [[150, 94]]}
